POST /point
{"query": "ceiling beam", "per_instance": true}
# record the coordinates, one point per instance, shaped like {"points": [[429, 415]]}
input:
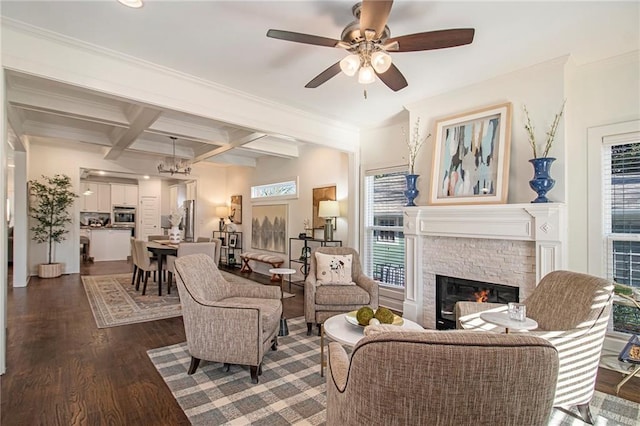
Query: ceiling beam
{"points": [[231, 145], [141, 119]]}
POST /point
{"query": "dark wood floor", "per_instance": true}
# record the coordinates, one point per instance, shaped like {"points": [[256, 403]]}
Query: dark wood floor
{"points": [[62, 370]]}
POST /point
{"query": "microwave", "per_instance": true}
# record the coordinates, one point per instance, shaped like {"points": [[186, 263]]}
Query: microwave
{"points": [[124, 216]]}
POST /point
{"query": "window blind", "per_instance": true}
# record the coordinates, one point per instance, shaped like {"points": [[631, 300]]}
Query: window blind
{"points": [[383, 224], [621, 197]]}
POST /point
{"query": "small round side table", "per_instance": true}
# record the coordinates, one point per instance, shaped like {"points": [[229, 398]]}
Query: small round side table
{"points": [[284, 328], [502, 319]]}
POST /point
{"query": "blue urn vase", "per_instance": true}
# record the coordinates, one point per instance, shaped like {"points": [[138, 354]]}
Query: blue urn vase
{"points": [[411, 193], [541, 182]]}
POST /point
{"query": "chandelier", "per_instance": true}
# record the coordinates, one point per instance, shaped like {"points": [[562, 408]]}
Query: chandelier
{"points": [[173, 165], [367, 59]]}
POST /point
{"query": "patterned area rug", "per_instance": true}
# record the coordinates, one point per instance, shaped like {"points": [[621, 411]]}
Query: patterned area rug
{"points": [[291, 390], [114, 301]]}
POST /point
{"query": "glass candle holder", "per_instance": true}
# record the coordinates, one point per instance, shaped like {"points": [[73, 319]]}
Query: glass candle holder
{"points": [[517, 311]]}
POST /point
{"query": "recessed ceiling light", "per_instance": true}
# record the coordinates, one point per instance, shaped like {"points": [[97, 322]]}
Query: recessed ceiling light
{"points": [[132, 3], [102, 172], [146, 176]]}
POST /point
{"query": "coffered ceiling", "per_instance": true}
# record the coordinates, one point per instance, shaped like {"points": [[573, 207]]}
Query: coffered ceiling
{"points": [[225, 42]]}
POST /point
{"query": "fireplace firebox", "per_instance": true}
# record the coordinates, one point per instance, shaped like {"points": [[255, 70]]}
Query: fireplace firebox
{"points": [[450, 290]]}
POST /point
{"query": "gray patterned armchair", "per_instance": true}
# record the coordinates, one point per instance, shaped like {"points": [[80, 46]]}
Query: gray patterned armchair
{"points": [[572, 311], [231, 324], [322, 301], [442, 378]]}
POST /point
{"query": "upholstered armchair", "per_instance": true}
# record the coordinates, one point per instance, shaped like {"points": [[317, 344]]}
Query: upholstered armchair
{"points": [[572, 311], [328, 292], [231, 324], [442, 378]]}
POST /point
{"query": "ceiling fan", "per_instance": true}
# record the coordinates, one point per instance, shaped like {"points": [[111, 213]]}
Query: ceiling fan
{"points": [[368, 40]]}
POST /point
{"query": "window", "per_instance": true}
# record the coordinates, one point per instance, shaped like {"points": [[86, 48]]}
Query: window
{"points": [[384, 239], [281, 190], [621, 217]]}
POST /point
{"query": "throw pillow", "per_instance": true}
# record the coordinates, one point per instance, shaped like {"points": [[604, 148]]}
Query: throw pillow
{"points": [[333, 269]]}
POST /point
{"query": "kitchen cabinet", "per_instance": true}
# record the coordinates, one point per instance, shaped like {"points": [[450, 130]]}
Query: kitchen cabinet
{"points": [[124, 195], [110, 244], [99, 200]]}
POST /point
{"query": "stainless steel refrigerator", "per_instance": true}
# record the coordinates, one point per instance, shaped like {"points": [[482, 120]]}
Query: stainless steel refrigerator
{"points": [[189, 220]]}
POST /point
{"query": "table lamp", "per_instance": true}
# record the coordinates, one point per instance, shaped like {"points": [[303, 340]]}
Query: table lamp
{"points": [[329, 210], [221, 212]]}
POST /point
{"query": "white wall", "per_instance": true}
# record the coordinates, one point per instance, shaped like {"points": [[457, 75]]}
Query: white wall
{"points": [[51, 157], [540, 88], [315, 167], [601, 93]]}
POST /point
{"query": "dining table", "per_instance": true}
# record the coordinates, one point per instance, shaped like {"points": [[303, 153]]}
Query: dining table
{"points": [[162, 248]]}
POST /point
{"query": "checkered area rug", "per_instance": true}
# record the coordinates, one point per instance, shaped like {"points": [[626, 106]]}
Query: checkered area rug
{"points": [[291, 390]]}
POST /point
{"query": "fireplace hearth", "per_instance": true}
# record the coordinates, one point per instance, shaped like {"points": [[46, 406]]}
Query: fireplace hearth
{"points": [[450, 290]]}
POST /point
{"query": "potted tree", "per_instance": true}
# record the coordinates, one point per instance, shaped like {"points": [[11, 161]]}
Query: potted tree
{"points": [[51, 198]]}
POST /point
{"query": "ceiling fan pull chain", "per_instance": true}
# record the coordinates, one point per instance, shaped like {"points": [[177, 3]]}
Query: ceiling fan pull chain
{"points": [[365, 93]]}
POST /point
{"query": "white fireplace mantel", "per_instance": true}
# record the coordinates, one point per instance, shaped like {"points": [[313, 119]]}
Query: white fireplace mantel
{"points": [[544, 224]]}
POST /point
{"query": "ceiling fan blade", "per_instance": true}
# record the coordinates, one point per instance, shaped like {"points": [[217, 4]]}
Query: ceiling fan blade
{"points": [[324, 76], [433, 40], [374, 15], [303, 38], [393, 78]]}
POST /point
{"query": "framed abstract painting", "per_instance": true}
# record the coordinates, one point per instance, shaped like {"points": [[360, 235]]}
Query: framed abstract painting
{"points": [[471, 157]]}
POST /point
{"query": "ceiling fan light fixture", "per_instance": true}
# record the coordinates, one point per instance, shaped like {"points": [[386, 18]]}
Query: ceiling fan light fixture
{"points": [[380, 61], [350, 64], [366, 75], [132, 3]]}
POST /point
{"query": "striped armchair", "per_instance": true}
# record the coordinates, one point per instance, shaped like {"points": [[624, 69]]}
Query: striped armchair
{"points": [[442, 378], [231, 324], [572, 311]]}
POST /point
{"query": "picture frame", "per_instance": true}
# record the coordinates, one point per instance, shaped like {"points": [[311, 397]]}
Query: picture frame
{"points": [[325, 193], [235, 209], [233, 240], [471, 157], [269, 227]]}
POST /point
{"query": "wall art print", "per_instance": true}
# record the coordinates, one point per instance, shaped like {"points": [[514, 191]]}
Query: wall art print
{"points": [[269, 227], [471, 157], [235, 209]]}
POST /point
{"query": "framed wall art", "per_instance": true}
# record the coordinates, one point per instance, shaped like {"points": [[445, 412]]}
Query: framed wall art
{"points": [[471, 157], [233, 240], [235, 209], [269, 227], [325, 193]]}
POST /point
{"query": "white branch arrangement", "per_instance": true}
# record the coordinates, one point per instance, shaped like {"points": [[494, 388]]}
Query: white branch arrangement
{"points": [[414, 144], [176, 216], [551, 133]]}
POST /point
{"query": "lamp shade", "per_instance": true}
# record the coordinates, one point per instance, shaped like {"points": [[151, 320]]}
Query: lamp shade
{"points": [[380, 61], [350, 65], [222, 211], [366, 75], [329, 209]]}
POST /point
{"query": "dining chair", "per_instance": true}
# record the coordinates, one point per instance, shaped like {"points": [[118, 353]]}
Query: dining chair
{"points": [[145, 264], [185, 249]]}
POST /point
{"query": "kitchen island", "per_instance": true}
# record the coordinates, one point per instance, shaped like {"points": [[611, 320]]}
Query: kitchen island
{"points": [[108, 243]]}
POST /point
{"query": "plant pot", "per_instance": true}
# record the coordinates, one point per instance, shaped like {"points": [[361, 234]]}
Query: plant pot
{"points": [[174, 234], [411, 193], [542, 181], [49, 270]]}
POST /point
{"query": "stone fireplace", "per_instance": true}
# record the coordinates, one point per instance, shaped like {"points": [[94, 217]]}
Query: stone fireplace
{"points": [[511, 244]]}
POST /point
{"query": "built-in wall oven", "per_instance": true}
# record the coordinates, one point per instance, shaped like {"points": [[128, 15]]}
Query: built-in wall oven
{"points": [[124, 216]]}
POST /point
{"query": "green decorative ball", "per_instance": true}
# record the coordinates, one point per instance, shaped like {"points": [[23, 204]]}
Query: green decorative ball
{"points": [[364, 315], [384, 315]]}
